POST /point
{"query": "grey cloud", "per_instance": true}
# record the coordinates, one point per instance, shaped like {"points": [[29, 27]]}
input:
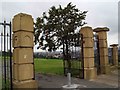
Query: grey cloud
{"points": [[99, 13]]}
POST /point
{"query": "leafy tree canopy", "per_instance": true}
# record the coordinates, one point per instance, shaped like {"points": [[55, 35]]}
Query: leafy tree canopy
{"points": [[57, 25]]}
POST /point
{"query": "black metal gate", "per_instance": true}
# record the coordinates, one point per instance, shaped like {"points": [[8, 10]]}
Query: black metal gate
{"points": [[6, 55], [110, 56], [97, 53], [73, 55]]}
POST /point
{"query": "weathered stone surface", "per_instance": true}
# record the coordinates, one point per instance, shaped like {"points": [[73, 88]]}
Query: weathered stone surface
{"points": [[23, 66], [23, 55], [115, 54], [88, 42], [104, 60], [90, 73], [89, 62], [105, 69], [88, 52], [23, 39], [102, 36], [103, 52], [22, 22], [29, 84], [23, 72], [103, 43], [100, 29], [115, 60], [87, 32]]}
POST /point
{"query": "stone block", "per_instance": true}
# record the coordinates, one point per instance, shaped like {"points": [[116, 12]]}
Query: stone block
{"points": [[105, 69], [115, 53], [89, 62], [88, 52], [103, 44], [23, 55], [22, 22], [90, 73], [115, 60], [88, 42], [87, 32], [23, 39], [23, 72], [102, 35], [104, 60], [103, 52], [28, 84]]}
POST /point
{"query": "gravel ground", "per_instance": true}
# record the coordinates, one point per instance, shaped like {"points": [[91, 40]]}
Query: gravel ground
{"points": [[56, 81]]}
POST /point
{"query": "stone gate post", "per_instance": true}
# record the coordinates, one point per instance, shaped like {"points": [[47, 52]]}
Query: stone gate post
{"points": [[103, 48], [90, 71], [23, 64], [115, 54]]}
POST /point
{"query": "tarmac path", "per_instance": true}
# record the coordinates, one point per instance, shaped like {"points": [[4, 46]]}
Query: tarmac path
{"points": [[56, 81]]}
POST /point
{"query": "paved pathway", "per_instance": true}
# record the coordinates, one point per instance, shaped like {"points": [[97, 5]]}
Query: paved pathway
{"points": [[55, 81], [111, 79]]}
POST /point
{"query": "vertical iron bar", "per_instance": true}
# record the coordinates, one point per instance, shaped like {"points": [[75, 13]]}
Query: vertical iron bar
{"points": [[98, 51], [82, 51], [72, 41], [112, 56], [33, 68], [5, 53], [64, 56], [74, 60], [79, 36], [11, 86], [7, 61], [2, 57]]}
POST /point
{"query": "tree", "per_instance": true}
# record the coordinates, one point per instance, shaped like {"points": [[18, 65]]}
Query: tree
{"points": [[57, 27], [59, 24]]}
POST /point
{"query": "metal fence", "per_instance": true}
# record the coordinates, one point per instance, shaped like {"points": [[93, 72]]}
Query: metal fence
{"points": [[6, 55], [73, 55], [96, 53]]}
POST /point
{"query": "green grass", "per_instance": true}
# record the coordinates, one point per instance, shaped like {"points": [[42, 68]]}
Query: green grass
{"points": [[5, 85], [49, 66], [0, 81]]}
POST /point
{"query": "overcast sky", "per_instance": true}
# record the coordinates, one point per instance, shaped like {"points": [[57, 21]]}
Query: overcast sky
{"points": [[100, 12]]}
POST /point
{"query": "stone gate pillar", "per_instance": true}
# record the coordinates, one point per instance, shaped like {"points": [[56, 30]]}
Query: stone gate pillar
{"points": [[90, 71], [115, 54], [23, 64], [103, 48]]}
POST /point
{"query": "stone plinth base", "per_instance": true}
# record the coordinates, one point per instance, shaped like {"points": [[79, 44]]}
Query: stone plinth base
{"points": [[90, 73], [31, 84], [113, 67], [23, 72], [105, 69]]}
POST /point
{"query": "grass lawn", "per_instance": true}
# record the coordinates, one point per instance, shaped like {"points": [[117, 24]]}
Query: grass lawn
{"points": [[51, 66]]}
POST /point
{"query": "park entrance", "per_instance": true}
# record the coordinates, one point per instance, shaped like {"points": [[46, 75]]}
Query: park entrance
{"points": [[73, 55], [6, 55]]}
